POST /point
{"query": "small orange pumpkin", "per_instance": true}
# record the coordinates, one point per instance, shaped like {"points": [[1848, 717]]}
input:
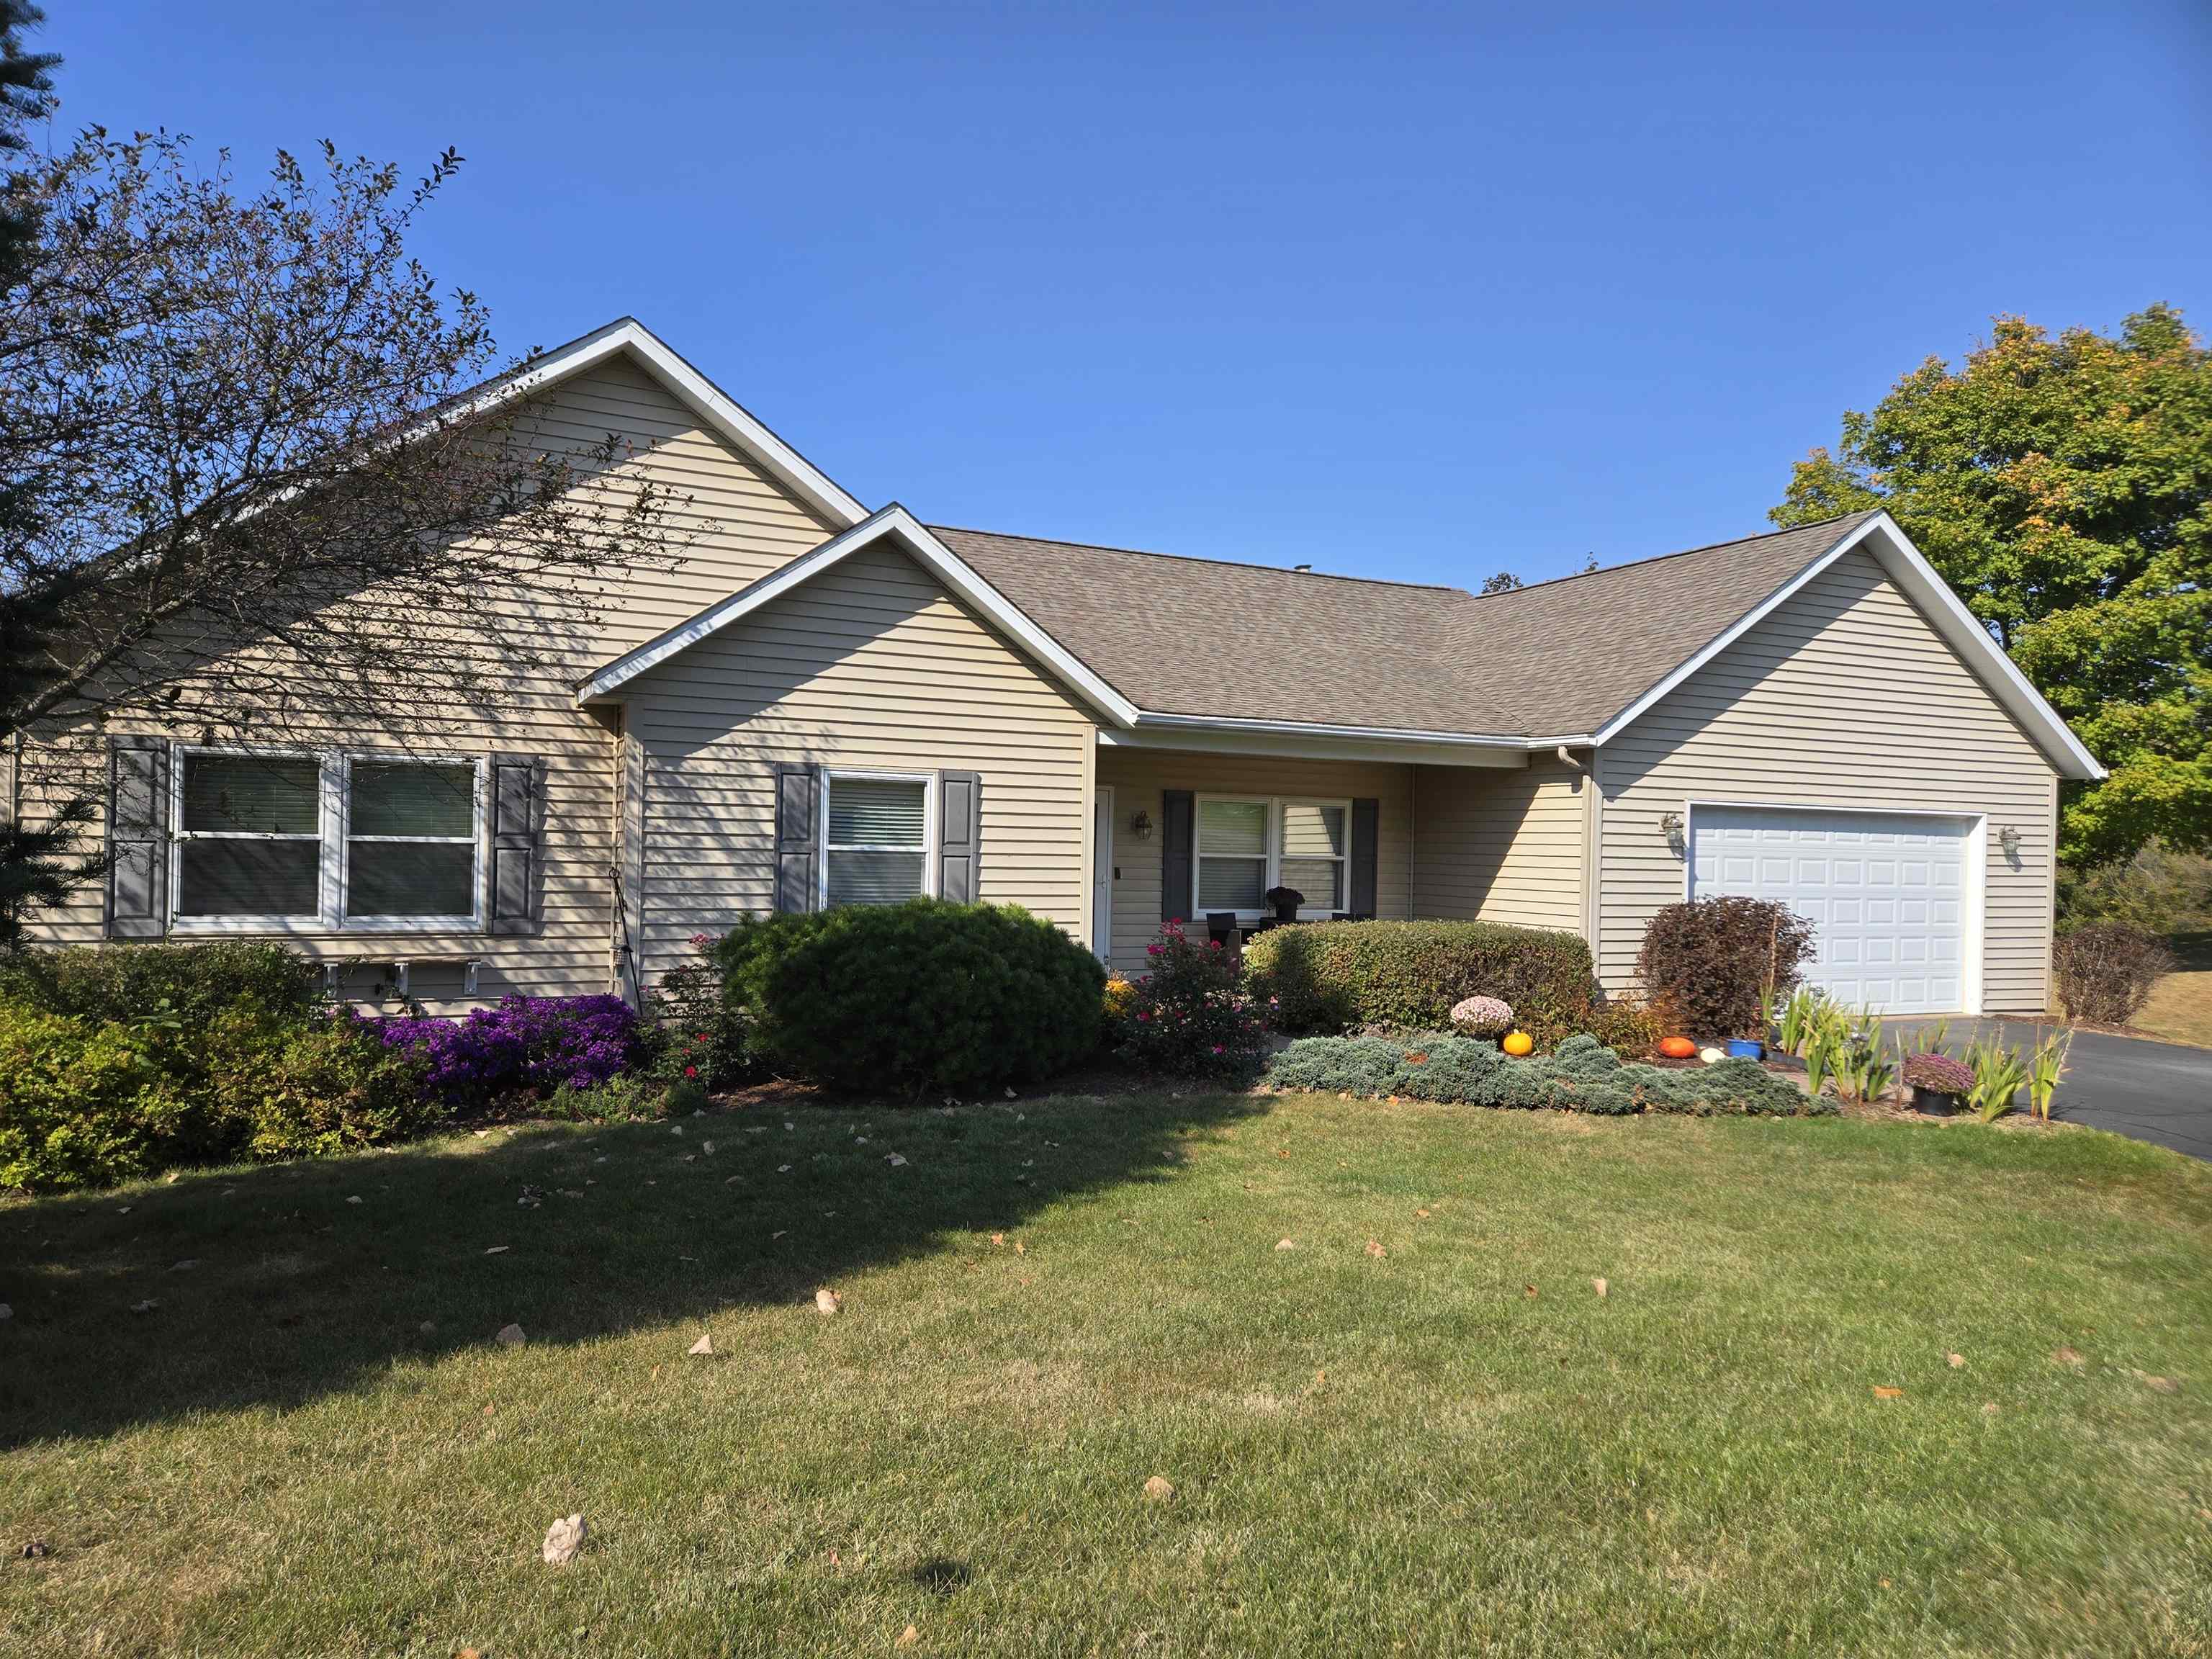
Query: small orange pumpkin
{"points": [[1518, 1042], [1678, 1047]]}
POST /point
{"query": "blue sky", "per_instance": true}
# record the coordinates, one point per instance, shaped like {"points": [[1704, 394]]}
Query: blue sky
{"points": [[1418, 292]]}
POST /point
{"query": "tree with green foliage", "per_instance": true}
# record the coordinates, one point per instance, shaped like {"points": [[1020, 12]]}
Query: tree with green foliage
{"points": [[2064, 486]]}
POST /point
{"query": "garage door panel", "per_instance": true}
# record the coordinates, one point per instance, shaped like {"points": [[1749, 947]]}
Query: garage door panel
{"points": [[1885, 895]]}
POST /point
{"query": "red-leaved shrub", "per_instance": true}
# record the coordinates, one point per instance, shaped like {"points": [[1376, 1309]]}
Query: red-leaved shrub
{"points": [[1705, 962]]}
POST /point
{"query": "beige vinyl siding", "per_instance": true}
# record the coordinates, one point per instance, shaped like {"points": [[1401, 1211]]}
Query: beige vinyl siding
{"points": [[1139, 777], [1491, 845], [871, 665], [1845, 697], [737, 526]]}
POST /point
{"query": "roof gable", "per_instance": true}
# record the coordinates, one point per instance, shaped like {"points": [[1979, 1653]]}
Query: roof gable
{"points": [[891, 523]]}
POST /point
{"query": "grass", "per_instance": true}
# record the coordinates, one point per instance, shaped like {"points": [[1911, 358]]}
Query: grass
{"points": [[1453, 1445], [2180, 1007]]}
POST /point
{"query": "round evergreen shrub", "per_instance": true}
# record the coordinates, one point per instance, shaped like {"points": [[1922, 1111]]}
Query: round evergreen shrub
{"points": [[912, 999]]}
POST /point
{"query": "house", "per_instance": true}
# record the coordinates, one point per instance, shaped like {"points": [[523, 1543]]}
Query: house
{"points": [[827, 704]]}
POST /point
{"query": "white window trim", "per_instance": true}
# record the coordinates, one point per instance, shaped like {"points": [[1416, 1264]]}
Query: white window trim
{"points": [[929, 827], [1274, 804], [333, 775]]}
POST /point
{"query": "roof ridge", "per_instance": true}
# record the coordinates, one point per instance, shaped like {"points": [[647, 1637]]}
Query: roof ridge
{"points": [[1679, 553], [1201, 558]]}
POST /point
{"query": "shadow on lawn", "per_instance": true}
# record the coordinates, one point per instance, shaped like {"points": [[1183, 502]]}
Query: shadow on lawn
{"points": [[293, 1291]]}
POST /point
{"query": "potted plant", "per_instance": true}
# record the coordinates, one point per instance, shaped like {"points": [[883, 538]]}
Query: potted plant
{"points": [[1938, 1082], [1286, 901]]}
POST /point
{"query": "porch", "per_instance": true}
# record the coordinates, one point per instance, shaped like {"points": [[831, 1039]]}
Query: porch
{"points": [[1187, 832]]}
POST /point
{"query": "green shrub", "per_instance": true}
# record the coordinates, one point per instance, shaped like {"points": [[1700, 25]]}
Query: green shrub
{"points": [[81, 1103], [1406, 975], [1707, 962], [1583, 1075], [694, 1032], [630, 1097], [913, 997], [329, 1086], [138, 984]]}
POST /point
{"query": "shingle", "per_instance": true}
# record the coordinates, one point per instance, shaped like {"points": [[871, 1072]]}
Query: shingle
{"points": [[1240, 642]]}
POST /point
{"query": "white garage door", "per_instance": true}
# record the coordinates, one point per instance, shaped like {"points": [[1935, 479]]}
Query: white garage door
{"points": [[1886, 895]]}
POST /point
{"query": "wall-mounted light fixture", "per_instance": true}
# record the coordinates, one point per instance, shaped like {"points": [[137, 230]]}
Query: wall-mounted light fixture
{"points": [[1141, 825], [1671, 823], [2009, 838]]}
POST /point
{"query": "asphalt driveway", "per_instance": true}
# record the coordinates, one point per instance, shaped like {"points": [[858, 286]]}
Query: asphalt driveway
{"points": [[2156, 1091]]}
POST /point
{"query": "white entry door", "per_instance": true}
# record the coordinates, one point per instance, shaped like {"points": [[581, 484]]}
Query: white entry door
{"points": [[1891, 895], [1102, 875]]}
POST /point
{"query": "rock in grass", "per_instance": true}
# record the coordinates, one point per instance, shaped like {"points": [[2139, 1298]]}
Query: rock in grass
{"points": [[705, 1344], [1159, 1489], [563, 1538], [511, 1336], [827, 1301]]}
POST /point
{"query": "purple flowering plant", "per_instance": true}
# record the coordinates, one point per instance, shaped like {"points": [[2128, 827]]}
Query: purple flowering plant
{"points": [[525, 1042]]}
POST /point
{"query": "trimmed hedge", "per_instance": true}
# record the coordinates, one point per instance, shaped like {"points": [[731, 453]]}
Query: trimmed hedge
{"points": [[913, 998], [1336, 975], [1583, 1075], [147, 983]]}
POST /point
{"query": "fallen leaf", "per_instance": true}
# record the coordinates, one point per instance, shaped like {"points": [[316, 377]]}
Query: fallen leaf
{"points": [[511, 1335], [496, 1249], [1020, 1248], [145, 1307], [563, 1538], [893, 1159], [1954, 1360], [1989, 1408], [1883, 1393], [1528, 1291], [1375, 1249], [1598, 1286], [827, 1301], [704, 1344], [998, 1238], [1422, 1214], [426, 1327], [909, 1636], [2064, 1356], [185, 1265], [2162, 1384], [354, 1199], [783, 1168], [1159, 1489], [489, 1408], [1286, 1244]]}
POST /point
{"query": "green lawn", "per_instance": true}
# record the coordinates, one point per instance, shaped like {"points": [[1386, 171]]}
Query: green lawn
{"points": [[1445, 1444]]}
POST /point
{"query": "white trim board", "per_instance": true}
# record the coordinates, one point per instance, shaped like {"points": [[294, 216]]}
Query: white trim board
{"points": [[1902, 563], [893, 521]]}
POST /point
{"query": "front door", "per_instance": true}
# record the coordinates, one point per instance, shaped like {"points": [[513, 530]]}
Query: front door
{"points": [[1102, 875]]}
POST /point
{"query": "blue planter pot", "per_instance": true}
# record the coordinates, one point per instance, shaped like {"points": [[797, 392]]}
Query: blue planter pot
{"points": [[1746, 1048]]}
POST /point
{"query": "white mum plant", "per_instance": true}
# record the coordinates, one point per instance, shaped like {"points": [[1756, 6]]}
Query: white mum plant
{"points": [[1481, 1017]]}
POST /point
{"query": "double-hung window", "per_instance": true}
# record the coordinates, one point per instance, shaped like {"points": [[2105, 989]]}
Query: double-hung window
{"points": [[1243, 847], [876, 850], [249, 845], [299, 843]]}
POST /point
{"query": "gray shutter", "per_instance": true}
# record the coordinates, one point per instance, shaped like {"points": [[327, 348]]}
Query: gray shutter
{"points": [[798, 838], [515, 884], [138, 837], [1178, 808], [960, 836], [1364, 815]]}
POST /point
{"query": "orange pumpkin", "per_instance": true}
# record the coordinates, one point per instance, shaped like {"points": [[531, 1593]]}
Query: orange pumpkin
{"points": [[1518, 1042], [1678, 1047]]}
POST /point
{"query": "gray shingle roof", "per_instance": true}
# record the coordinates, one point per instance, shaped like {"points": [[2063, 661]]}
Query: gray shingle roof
{"points": [[1240, 642]]}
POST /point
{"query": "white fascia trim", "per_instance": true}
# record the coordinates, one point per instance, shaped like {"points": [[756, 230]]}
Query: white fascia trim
{"points": [[1903, 563], [939, 560], [1148, 719], [721, 413]]}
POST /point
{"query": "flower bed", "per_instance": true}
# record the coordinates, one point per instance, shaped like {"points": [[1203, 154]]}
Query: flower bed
{"points": [[1583, 1075]]}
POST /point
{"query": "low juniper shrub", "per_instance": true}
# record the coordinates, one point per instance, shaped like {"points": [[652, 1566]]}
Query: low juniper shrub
{"points": [[1190, 1014], [1581, 1075]]}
